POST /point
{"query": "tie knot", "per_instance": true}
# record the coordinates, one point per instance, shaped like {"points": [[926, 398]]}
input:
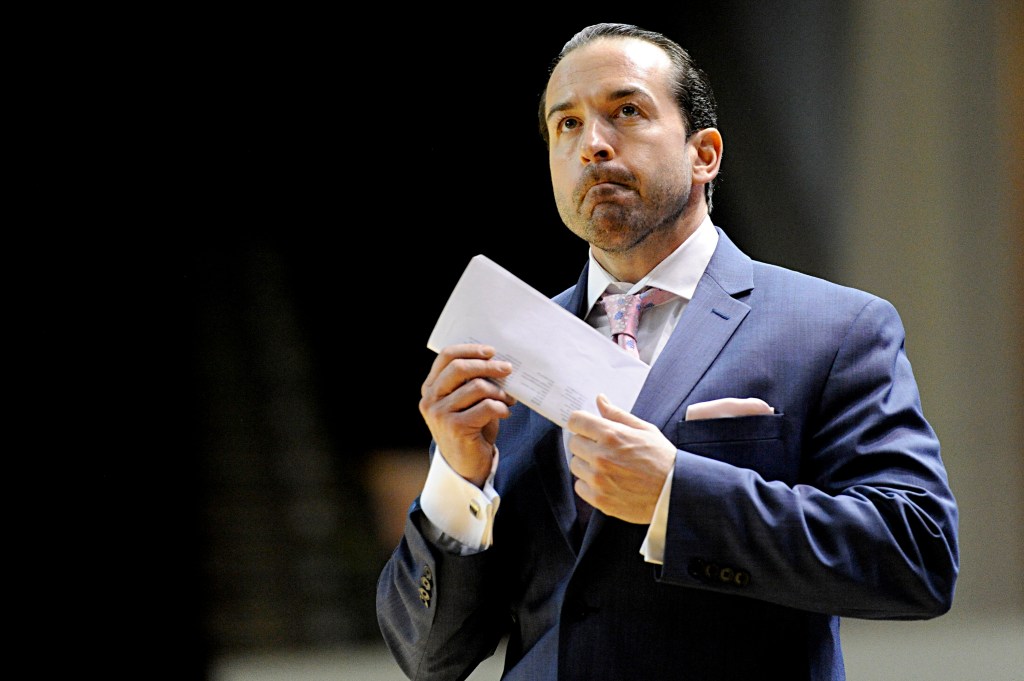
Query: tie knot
{"points": [[624, 309]]}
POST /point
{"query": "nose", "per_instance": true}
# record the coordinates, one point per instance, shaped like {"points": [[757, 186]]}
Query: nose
{"points": [[597, 142]]}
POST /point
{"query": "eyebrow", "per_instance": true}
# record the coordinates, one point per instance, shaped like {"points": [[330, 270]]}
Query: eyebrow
{"points": [[612, 96]]}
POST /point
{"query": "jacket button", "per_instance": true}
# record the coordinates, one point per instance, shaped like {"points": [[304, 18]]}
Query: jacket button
{"points": [[426, 586], [726, 574]]}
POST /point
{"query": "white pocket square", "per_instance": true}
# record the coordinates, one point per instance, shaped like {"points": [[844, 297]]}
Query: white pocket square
{"points": [[726, 407]]}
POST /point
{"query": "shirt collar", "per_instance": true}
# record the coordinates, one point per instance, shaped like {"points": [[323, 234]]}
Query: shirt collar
{"points": [[678, 273]]}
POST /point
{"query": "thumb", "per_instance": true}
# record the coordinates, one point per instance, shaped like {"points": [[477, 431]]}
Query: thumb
{"points": [[613, 413]]}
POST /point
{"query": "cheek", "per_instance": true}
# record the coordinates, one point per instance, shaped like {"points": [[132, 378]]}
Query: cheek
{"points": [[674, 167], [561, 175]]}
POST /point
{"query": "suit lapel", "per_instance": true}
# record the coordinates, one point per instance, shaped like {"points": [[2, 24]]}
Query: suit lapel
{"points": [[710, 319]]}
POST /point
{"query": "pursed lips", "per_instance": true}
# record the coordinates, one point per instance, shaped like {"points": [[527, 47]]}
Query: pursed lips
{"points": [[602, 189]]}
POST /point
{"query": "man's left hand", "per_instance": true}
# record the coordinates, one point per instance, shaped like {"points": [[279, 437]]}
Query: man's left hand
{"points": [[620, 462]]}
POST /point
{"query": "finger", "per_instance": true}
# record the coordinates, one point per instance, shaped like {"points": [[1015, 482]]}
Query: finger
{"points": [[479, 415], [473, 391], [585, 423], [582, 477], [580, 463], [455, 370], [451, 352], [613, 413], [483, 396], [584, 490]]}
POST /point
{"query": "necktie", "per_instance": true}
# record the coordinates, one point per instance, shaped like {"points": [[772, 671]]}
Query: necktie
{"points": [[624, 312]]}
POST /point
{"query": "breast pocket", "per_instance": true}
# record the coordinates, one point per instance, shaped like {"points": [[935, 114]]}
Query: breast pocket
{"points": [[754, 442]]}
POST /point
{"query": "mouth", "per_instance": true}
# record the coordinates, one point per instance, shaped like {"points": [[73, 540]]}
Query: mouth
{"points": [[603, 190], [605, 187], [603, 183], [602, 178]]}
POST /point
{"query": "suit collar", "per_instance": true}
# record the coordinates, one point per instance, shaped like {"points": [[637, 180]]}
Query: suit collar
{"points": [[730, 268]]}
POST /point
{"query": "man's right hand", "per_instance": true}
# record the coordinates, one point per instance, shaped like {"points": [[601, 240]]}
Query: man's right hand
{"points": [[462, 407]]}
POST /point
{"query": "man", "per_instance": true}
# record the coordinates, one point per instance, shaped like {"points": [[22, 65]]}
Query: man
{"points": [[775, 473]]}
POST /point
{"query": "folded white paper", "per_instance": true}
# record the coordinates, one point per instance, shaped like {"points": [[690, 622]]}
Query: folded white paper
{"points": [[560, 363]]}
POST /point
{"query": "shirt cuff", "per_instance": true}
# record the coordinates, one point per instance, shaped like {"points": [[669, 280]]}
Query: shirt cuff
{"points": [[653, 548], [456, 507]]}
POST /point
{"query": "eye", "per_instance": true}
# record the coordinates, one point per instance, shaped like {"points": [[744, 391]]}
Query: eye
{"points": [[568, 123], [629, 111]]}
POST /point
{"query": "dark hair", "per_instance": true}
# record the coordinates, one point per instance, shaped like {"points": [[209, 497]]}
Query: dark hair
{"points": [[690, 85]]}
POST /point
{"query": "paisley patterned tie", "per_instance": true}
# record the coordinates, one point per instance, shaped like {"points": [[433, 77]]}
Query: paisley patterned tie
{"points": [[624, 312]]}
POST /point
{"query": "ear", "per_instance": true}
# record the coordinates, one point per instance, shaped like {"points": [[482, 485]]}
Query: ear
{"points": [[707, 145]]}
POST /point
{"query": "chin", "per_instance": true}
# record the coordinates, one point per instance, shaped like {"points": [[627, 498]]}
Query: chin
{"points": [[616, 241]]}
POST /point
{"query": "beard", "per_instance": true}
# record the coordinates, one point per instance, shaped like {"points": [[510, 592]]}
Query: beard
{"points": [[626, 218]]}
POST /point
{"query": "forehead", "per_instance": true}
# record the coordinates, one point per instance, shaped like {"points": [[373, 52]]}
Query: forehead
{"points": [[609, 65]]}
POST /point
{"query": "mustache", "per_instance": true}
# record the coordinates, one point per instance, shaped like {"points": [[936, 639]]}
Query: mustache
{"points": [[596, 174]]}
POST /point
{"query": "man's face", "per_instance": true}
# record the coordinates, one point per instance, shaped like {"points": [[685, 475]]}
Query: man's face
{"points": [[620, 168]]}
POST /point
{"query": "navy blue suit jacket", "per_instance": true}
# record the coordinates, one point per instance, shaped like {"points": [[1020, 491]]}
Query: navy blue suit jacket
{"points": [[836, 506]]}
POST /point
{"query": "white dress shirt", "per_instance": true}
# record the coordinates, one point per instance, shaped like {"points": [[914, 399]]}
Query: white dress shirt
{"points": [[461, 515]]}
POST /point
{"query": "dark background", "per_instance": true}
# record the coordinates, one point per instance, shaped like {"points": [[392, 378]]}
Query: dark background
{"points": [[284, 175], [375, 159]]}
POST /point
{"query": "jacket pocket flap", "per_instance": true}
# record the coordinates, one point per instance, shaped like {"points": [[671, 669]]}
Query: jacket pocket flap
{"points": [[728, 429]]}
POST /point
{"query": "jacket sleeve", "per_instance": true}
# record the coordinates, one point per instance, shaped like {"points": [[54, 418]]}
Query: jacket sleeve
{"points": [[433, 607], [868, 530]]}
